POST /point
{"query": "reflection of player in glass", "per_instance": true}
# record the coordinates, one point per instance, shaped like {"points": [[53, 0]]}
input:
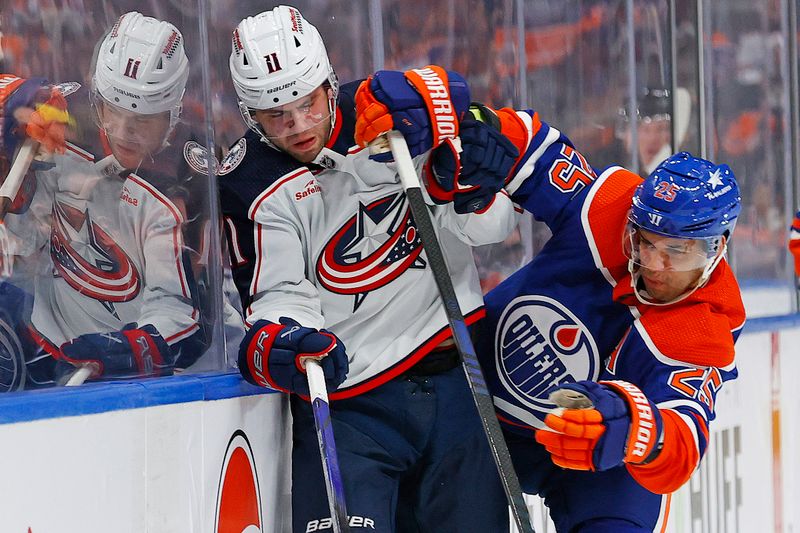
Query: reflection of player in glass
{"points": [[654, 125], [329, 265], [105, 225], [630, 307], [654, 128]]}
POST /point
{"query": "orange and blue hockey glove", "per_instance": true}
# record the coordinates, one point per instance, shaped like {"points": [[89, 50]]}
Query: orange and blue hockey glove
{"points": [[424, 105], [623, 426], [32, 108]]}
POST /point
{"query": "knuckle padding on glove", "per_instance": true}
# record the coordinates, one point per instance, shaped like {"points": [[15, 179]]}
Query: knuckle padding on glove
{"points": [[472, 178], [271, 355], [133, 349]]}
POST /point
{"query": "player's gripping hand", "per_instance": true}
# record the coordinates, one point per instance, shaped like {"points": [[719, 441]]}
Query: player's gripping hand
{"points": [[623, 426], [32, 108], [424, 105], [273, 355], [128, 353], [470, 179]]}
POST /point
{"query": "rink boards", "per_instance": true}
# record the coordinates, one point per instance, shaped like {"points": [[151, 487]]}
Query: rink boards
{"points": [[209, 454], [184, 454]]}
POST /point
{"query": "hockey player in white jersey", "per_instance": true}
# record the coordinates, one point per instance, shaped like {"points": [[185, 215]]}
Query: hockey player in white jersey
{"points": [[329, 264], [106, 226]]}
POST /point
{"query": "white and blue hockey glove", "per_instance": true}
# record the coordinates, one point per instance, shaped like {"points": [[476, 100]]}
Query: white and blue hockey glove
{"points": [[273, 355]]}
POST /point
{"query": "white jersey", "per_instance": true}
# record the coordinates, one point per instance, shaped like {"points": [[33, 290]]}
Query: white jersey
{"points": [[109, 247], [337, 248]]}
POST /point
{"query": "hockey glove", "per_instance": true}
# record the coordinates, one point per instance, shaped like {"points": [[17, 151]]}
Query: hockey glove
{"points": [[471, 178], [32, 108], [622, 427], [424, 105], [273, 355], [131, 352]]}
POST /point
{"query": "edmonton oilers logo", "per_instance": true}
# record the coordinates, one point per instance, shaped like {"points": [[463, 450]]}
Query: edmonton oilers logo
{"points": [[541, 344]]}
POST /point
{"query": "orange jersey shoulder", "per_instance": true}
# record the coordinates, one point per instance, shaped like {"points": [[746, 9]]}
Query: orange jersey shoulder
{"points": [[699, 329], [605, 216]]}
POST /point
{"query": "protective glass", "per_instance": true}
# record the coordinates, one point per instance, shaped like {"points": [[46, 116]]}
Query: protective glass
{"points": [[657, 252], [295, 118]]}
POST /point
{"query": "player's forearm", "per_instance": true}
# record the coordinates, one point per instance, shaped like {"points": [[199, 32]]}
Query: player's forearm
{"points": [[488, 226]]}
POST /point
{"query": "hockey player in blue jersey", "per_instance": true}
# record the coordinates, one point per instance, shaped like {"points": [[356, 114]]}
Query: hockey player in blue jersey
{"points": [[628, 315], [329, 265]]}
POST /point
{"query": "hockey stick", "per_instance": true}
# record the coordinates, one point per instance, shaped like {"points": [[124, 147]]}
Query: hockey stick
{"points": [[10, 187], [327, 446], [469, 361], [79, 376]]}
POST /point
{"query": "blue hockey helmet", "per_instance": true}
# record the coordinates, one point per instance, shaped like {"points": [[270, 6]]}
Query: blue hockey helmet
{"points": [[692, 204], [687, 197]]}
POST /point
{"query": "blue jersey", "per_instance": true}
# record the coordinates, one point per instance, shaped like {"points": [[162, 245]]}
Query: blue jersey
{"points": [[570, 315]]}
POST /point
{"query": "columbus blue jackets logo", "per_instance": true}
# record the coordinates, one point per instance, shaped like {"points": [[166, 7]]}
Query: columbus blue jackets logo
{"points": [[233, 157], [89, 260], [371, 249], [541, 344], [196, 156]]}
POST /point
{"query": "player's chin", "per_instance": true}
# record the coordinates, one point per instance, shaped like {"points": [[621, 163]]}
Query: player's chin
{"points": [[128, 156], [662, 292], [305, 150]]}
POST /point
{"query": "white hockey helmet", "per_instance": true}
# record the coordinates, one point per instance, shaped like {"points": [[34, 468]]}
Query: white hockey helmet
{"points": [[141, 66], [277, 57]]}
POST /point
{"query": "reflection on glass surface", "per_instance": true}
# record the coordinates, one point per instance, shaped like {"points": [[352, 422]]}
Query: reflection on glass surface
{"points": [[106, 248], [749, 86]]}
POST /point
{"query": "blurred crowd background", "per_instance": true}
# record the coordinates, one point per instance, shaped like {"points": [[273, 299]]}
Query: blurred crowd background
{"points": [[711, 77]]}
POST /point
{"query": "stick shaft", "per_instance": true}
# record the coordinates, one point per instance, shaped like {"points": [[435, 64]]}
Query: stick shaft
{"points": [[12, 183], [79, 376], [466, 349], [327, 446]]}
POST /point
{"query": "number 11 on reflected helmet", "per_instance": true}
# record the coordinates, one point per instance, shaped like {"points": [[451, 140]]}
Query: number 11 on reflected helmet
{"points": [[278, 57], [141, 67]]}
